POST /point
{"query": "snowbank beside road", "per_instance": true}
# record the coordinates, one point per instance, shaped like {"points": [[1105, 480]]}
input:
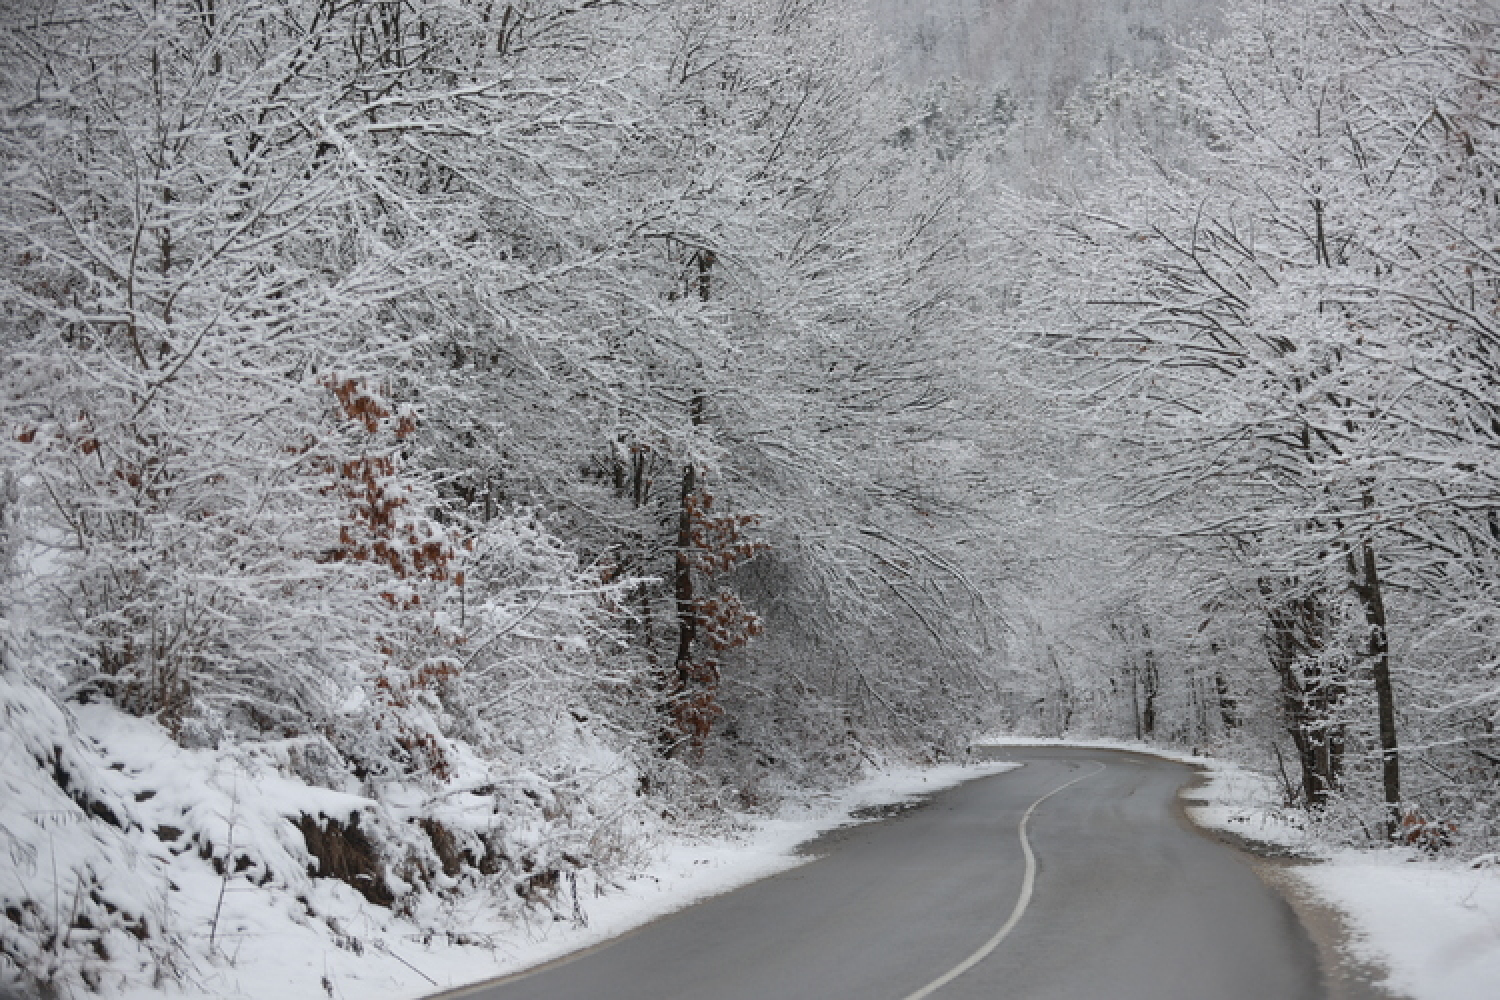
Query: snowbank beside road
{"points": [[1432, 923]]}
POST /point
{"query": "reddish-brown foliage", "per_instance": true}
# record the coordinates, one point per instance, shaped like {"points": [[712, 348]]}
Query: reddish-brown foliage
{"points": [[1416, 830], [720, 621], [380, 529], [385, 528]]}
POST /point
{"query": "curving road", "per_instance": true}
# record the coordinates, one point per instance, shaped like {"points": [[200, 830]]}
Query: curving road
{"points": [[1107, 894]]}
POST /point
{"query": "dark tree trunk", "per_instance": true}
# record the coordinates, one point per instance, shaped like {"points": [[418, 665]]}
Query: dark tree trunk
{"points": [[1150, 686], [1366, 576], [1229, 709], [687, 685], [1135, 702], [1312, 692], [687, 681], [687, 614]]}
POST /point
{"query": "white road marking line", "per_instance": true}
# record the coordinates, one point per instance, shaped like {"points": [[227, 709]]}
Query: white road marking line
{"points": [[1027, 882]]}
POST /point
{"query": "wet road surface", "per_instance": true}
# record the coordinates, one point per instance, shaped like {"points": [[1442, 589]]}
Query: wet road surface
{"points": [[1125, 901]]}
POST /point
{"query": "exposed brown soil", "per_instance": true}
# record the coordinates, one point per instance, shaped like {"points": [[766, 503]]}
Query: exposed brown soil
{"points": [[345, 853]]}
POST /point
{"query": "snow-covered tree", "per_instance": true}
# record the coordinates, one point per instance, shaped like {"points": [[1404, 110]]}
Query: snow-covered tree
{"points": [[1263, 320]]}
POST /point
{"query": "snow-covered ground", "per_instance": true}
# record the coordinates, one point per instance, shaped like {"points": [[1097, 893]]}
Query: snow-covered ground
{"points": [[271, 950], [1432, 924]]}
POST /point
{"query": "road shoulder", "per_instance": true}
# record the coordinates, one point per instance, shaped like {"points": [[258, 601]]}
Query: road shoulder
{"points": [[1346, 976]]}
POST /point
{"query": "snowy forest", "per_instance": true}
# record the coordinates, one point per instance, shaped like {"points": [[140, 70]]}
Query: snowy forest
{"points": [[445, 441]]}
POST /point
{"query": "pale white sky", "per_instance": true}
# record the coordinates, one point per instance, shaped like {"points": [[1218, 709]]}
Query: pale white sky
{"points": [[1038, 49]]}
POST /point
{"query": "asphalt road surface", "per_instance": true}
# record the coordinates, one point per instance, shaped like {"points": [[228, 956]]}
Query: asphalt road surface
{"points": [[1106, 894]]}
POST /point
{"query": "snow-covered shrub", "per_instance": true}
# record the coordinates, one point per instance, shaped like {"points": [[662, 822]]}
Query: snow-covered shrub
{"points": [[81, 898]]}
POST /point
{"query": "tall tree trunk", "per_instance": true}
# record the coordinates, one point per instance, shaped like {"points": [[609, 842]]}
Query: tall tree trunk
{"points": [[1229, 709], [1135, 701], [687, 614], [1151, 683], [1366, 577], [1312, 693], [686, 686], [687, 605], [687, 692]]}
